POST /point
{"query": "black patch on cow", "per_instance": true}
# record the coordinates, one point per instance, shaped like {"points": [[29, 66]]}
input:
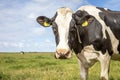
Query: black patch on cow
{"points": [[106, 10], [112, 20], [103, 9], [104, 45], [55, 31], [94, 31], [73, 39], [108, 44]]}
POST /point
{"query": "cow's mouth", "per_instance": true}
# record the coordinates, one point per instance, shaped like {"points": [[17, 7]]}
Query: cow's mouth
{"points": [[66, 55]]}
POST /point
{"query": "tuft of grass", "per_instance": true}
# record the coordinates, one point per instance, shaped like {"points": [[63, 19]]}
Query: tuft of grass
{"points": [[4, 76], [43, 66]]}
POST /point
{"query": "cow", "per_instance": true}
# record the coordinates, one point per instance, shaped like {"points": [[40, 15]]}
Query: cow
{"points": [[22, 52], [89, 33], [94, 35]]}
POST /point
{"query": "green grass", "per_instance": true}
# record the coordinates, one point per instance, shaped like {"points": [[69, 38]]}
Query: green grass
{"points": [[42, 66]]}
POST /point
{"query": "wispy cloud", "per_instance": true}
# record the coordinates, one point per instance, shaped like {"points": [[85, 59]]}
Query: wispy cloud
{"points": [[39, 31]]}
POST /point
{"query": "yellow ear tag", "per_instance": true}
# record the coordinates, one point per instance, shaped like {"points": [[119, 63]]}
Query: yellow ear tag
{"points": [[85, 23], [46, 24]]}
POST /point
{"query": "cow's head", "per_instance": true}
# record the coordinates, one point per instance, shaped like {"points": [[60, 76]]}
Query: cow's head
{"points": [[85, 29], [60, 24]]}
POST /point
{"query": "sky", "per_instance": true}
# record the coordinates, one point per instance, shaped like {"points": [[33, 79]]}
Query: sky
{"points": [[19, 30]]}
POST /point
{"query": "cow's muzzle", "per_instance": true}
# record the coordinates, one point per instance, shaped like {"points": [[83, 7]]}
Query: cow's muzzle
{"points": [[62, 54]]}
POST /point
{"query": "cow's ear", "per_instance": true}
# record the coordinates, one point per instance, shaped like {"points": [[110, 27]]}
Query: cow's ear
{"points": [[44, 21], [87, 20]]}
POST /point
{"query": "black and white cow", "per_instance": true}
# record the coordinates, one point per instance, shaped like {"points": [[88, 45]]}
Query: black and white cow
{"points": [[90, 33], [95, 36]]}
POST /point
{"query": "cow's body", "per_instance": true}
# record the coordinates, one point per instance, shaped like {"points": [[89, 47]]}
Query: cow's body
{"points": [[93, 33], [100, 38]]}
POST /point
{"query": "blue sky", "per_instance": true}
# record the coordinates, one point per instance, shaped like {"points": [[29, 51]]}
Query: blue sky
{"points": [[19, 30]]}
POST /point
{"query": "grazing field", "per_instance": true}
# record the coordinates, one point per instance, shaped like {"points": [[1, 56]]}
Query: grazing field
{"points": [[43, 66]]}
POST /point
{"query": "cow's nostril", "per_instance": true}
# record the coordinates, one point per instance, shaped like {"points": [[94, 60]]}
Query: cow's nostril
{"points": [[67, 54], [62, 56]]}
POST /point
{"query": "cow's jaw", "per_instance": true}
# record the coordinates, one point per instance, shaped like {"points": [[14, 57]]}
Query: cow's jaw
{"points": [[63, 22]]}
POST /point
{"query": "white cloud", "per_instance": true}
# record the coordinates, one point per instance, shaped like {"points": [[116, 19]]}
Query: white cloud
{"points": [[21, 45], [5, 44], [12, 44], [47, 41], [39, 31], [31, 16], [40, 0]]}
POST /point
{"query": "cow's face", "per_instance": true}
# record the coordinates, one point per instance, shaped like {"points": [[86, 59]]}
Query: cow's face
{"points": [[60, 25], [85, 29]]}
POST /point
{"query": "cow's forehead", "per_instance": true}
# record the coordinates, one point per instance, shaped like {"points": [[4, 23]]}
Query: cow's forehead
{"points": [[64, 16], [64, 10]]}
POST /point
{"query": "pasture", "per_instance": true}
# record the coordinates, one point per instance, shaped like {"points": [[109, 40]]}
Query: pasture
{"points": [[43, 66]]}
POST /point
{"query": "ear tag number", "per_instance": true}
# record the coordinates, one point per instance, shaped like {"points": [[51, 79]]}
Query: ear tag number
{"points": [[46, 24], [85, 23]]}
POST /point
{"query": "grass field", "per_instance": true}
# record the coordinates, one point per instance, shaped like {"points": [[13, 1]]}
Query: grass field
{"points": [[42, 66]]}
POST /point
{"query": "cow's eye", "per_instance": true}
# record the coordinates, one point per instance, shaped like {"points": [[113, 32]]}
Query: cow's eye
{"points": [[54, 27], [55, 31]]}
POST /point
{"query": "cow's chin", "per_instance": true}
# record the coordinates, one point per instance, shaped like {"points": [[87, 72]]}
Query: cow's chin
{"points": [[63, 56]]}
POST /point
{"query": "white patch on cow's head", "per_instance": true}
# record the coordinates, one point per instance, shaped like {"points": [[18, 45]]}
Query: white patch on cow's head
{"points": [[92, 10], [63, 22]]}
